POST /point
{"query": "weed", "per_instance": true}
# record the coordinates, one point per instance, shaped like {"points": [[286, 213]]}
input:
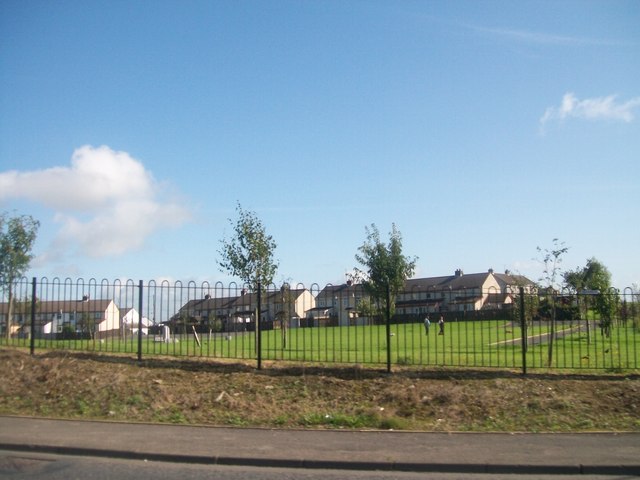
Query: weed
{"points": [[585, 424], [280, 420], [177, 417], [173, 415], [83, 407], [393, 423], [237, 420], [135, 400], [404, 361]]}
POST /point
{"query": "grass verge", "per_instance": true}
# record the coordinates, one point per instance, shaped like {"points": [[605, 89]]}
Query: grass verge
{"points": [[91, 386]]}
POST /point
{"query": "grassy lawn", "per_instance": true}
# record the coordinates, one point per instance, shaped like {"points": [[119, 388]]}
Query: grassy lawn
{"points": [[494, 343]]}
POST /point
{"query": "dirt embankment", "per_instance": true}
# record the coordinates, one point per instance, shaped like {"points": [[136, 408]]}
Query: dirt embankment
{"points": [[88, 386]]}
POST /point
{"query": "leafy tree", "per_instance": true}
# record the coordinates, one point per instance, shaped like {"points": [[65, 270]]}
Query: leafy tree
{"points": [[87, 324], [595, 276], [384, 267], [551, 261], [249, 254], [366, 309], [17, 236]]}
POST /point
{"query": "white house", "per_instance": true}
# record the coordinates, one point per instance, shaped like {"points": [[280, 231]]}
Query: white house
{"points": [[129, 320]]}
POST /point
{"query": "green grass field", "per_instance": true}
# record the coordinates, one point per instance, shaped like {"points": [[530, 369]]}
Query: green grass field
{"points": [[495, 344]]}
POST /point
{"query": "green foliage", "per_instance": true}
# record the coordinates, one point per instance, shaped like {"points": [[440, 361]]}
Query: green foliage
{"points": [[385, 267], [531, 304], [249, 254], [563, 311], [368, 309], [340, 420], [17, 236], [594, 276], [87, 324]]}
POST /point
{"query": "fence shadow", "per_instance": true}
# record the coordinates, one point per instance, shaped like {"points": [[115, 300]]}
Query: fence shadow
{"points": [[342, 372]]}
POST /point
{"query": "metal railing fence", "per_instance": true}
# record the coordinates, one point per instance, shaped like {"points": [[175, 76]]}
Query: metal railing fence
{"points": [[517, 329]]}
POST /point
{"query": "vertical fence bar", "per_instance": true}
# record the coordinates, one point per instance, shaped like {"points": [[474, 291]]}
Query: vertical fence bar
{"points": [[32, 332], [140, 291], [523, 329], [388, 328], [258, 330]]}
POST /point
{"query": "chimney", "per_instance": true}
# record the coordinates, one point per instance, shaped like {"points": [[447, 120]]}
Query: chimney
{"points": [[491, 271], [459, 272]]}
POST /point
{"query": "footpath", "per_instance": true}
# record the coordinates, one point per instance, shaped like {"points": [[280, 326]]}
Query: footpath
{"points": [[594, 454]]}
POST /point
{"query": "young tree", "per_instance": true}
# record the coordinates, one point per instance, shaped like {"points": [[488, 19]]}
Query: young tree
{"points": [[249, 254], [17, 236], [367, 309], [384, 267], [551, 260]]}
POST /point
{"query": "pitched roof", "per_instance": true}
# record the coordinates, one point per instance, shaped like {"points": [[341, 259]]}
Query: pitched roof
{"points": [[471, 280], [341, 290], [244, 300], [55, 306], [510, 279]]}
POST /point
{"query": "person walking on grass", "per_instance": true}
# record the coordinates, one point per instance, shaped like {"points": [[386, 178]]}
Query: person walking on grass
{"points": [[427, 324], [441, 325]]}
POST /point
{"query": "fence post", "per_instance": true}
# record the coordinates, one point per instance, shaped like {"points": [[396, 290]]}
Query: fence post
{"points": [[388, 328], [258, 332], [32, 335], [140, 292], [523, 329]]}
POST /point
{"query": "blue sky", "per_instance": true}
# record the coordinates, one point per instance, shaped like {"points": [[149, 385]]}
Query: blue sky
{"points": [[483, 129]]}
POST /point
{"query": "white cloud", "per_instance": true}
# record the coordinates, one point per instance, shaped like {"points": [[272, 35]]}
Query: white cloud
{"points": [[543, 38], [106, 203], [599, 108]]}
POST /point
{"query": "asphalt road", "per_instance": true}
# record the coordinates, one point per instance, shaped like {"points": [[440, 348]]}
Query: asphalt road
{"points": [[370, 451], [22, 466]]}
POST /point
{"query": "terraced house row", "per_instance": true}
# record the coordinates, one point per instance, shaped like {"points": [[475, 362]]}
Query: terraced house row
{"points": [[339, 305], [333, 305], [67, 318]]}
